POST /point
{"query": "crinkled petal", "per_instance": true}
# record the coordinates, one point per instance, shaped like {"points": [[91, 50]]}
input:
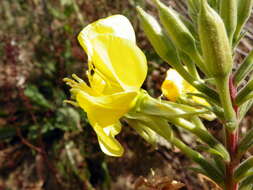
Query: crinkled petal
{"points": [[106, 138], [117, 25], [106, 110], [120, 60]]}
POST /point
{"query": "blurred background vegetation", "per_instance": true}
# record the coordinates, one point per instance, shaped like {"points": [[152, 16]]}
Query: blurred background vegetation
{"points": [[46, 144]]}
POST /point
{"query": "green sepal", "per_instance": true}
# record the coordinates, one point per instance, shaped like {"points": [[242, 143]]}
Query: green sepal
{"points": [[145, 132], [160, 126], [216, 109], [150, 106], [165, 109]]}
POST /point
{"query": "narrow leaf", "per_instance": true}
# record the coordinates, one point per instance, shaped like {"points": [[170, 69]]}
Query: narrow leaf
{"points": [[243, 168], [246, 142], [244, 69]]}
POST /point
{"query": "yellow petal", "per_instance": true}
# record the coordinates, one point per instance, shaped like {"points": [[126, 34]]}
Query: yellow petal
{"points": [[106, 110], [120, 60], [172, 86], [187, 88], [116, 25], [107, 142]]}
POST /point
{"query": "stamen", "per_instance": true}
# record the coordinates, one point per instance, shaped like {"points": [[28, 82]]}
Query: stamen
{"points": [[71, 102], [77, 78]]}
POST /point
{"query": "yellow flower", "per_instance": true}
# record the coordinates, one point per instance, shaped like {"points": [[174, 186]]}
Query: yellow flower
{"points": [[174, 86], [117, 69]]}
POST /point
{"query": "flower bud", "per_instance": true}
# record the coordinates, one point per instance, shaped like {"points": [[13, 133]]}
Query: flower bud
{"points": [[180, 35], [176, 29], [159, 40], [214, 42], [228, 12]]}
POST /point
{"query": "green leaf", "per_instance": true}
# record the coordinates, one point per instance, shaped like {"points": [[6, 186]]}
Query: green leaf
{"points": [[242, 170], [68, 118], [161, 127], [9, 131], [209, 169], [209, 150], [244, 94], [246, 142], [244, 108], [219, 163], [32, 92], [244, 11], [246, 184], [206, 137]]}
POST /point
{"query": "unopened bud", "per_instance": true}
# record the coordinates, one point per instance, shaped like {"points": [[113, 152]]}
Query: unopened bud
{"points": [[214, 42], [176, 29], [159, 40], [180, 35]]}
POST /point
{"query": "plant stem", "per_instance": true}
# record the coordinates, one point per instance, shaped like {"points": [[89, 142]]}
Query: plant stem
{"points": [[227, 93], [231, 144]]}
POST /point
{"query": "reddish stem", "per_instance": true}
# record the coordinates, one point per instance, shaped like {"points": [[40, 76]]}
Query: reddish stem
{"points": [[231, 144], [232, 141]]}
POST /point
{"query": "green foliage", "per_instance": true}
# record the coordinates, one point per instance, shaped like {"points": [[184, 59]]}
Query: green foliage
{"points": [[36, 97], [211, 49]]}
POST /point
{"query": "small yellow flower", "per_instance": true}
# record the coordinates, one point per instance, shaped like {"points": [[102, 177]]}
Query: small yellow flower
{"points": [[117, 69], [174, 86]]}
